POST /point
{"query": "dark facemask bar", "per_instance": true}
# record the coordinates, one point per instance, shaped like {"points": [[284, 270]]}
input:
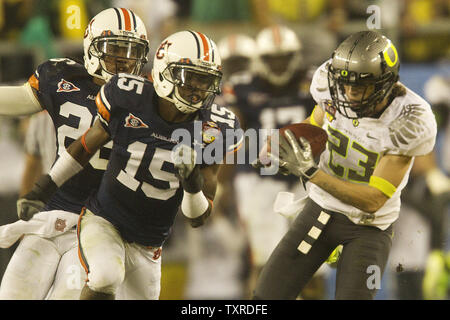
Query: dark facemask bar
{"points": [[99, 49], [174, 74], [365, 106]]}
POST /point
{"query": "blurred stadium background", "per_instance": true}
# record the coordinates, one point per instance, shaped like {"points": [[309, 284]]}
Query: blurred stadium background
{"points": [[213, 263]]}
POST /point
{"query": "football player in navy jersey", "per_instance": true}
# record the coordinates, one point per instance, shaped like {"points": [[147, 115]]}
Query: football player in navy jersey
{"points": [[269, 98], [115, 41], [168, 142]]}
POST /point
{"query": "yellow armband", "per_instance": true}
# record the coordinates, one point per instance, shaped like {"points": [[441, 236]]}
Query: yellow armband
{"points": [[383, 185]]}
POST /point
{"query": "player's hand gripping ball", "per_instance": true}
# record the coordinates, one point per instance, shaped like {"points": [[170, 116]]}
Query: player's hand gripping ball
{"points": [[299, 149], [316, 136]]}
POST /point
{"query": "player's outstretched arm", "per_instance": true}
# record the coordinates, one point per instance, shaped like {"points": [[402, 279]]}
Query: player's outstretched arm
{"points": [[18, 100], [383, 183], [71, 161], [296, 157]]}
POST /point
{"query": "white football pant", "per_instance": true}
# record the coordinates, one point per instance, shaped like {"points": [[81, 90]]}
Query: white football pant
{"points": [[129, 270]]}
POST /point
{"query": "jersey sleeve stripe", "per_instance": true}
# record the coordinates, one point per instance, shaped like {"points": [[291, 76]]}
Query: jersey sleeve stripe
{"points": [[103, 97], [312, 120], [102, 110], [383, 185], [104, 122], [83, 142], [34, 82]]}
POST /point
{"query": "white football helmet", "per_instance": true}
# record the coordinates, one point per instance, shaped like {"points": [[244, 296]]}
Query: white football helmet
{"points": [[279, 54], [238, 52], [115, 41], [187, 70]]}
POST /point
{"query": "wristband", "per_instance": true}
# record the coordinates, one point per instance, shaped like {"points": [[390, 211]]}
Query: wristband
{"points": [[194, 204], [308, 174], [64, 168]]}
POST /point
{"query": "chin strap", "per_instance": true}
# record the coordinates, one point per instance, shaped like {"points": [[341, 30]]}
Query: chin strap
{"points": [[182, 104]]}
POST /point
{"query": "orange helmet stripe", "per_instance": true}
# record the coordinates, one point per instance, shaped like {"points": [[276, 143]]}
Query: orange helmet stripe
{"points": [[126, 16], [276, 35], [205, 46], [232, 43]]}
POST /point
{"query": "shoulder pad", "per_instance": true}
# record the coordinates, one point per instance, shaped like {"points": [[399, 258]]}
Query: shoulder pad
{"points": [[413, 132], [319, 84], [58, 67], [224, 117], [126, 90], [223, 120]]}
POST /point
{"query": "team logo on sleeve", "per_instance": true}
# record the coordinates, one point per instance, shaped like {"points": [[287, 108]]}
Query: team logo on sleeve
{"points": [[66, 86], [134, 122], [330, 110], [60, 224], [210, 131]]}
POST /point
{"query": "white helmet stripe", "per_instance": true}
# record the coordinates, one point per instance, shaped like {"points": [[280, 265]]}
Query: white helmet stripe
{"points": [[104, 100], [119, 18], [197, 42], [207, 53], [212, 49], [126, 19], [134, 20]]}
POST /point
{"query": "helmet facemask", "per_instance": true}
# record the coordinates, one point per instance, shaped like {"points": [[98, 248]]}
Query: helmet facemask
{"points": [[278, 68], [195, 87], [236, 64], [356, 95], [118, 54]]}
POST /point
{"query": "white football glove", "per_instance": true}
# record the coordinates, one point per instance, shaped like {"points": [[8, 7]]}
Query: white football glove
{"points": [[184, 159], [295, 158]]}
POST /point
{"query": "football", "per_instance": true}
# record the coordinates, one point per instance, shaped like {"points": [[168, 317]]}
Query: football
{"points": [[317, 137]]}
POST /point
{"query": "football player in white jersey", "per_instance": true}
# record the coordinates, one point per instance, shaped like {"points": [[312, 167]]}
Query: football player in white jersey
{"points": [[376, 126]]}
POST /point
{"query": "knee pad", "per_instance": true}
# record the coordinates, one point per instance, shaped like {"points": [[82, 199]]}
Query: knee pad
{"points": [[106, 279]]}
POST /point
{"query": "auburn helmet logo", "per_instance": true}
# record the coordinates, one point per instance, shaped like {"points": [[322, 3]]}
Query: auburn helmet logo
{"points": [[160, 52]]}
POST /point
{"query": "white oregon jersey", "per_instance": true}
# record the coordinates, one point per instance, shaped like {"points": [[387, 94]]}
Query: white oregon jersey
{"points": [[406, 127]]}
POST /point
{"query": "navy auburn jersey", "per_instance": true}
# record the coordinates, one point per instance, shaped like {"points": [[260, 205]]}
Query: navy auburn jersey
{"points": [[67, 92], [264, 107], [140, 193]]}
